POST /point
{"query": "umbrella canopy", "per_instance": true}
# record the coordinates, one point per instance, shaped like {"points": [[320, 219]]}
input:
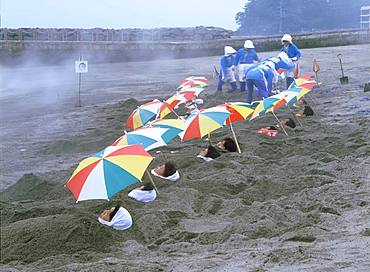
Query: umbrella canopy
{"points": [[192, 83], [264, 105], [148, 137], [239, 111], [304, 82], [143, 114], [197, 90], [174, 127], [202, 122], [104, 174], [199, 78]]}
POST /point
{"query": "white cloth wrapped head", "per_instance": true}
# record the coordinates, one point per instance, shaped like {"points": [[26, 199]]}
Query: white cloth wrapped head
{"points": [[174, 177], [121, 220], [207, 159], [143, 195]]}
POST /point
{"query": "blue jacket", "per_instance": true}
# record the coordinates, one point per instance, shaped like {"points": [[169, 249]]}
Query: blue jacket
{"points": [[261, 73], [292, 51], [226, 62], [245, 57], [283, 65]]}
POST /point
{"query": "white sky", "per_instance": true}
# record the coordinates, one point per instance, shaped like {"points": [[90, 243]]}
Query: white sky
{"points": [[120, 13]]}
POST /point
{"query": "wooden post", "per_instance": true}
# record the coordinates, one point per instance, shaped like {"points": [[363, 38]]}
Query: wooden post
{"points": [[152, 181], [236, 141], [294, 116], [282, 126]]}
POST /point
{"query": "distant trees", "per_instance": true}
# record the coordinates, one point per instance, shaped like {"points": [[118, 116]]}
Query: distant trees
{"points": [[261, 17]]}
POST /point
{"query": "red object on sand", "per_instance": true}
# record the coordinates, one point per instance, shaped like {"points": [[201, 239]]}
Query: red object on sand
{"points": [[268, 132]]}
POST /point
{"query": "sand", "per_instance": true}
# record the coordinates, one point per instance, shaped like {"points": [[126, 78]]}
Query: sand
{"points": [[297, 203]]}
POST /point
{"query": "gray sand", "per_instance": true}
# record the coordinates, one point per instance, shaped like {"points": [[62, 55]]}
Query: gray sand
{"points": [[297, 203]]}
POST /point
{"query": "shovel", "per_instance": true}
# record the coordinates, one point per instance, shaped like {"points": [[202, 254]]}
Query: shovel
{"points": [[343, 79]]}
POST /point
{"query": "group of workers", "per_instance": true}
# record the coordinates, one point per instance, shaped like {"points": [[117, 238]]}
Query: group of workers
{"points": [[253, 72]]}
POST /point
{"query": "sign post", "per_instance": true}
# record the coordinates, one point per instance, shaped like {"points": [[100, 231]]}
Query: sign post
{"points": [[81, 67]]}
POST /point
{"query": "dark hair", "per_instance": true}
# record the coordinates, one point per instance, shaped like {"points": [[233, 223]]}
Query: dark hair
{"points": [[113, 213], [229, 144], [308, 111], [147, 187], [290, 123], [212, 152], [169, 169], [272, 128], [304, 102]]}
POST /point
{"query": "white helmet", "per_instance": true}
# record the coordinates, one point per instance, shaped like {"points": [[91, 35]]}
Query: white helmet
{"points": [[229, 50], [284, 57], [287, 38], [248, 44]]}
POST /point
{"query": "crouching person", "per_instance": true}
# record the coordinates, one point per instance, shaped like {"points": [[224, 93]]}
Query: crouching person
{"points": [[117, 218]]}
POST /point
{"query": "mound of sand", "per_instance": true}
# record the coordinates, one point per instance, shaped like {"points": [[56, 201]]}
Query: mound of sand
{"points": [[296, 203]]}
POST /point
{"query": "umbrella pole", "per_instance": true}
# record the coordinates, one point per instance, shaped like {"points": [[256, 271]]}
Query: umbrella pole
{"points": [[236, 141], [152, 181], [209, 138], [294, 116], [282, 126]]}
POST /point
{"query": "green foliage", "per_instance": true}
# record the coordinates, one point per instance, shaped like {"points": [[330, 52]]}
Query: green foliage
{"points": [[262, 17]]}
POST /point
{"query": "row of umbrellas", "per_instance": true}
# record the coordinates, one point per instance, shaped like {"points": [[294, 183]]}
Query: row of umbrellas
{"points": [[118, 166]]}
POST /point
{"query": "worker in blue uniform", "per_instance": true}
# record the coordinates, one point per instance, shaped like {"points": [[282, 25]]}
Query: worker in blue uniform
{"points": [[263, 75], [294, 54], [227, 69], [245, 59]]}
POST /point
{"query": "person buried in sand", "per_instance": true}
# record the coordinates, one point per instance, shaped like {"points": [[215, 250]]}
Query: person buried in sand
{"points": [[116, 217], [209, 154], [272, 130], [227, 145], [145, 193], [166, 171], [306, 111]]}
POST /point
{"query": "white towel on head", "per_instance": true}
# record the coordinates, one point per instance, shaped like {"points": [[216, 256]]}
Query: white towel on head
{"points": [[143, 196], [121, 220], [207, 159], [173, 177]]}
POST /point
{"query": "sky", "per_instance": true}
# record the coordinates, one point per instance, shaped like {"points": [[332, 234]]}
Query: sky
{"points": [[120, 13]]}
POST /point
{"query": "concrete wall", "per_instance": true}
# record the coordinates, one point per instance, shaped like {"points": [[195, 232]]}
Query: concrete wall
{"points": [[13, 51]]}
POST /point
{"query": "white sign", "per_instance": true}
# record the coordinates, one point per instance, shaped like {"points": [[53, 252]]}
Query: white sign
{"points": [[81, 66]]}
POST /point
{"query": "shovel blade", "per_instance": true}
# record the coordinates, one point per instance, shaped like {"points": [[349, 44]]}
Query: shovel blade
{"points": [[344, 80]]}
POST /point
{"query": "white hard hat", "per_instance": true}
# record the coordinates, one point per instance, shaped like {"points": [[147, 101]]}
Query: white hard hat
{"points": [[287, 38], [284, 57], [248, 44], [229, 50]]}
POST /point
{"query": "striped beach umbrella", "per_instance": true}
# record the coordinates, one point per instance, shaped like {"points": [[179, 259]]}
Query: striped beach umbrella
{"points": [[203, 122], [174, 127], [148, 137], [143, 114], [109, 171], [239, 111], [264, 105]]}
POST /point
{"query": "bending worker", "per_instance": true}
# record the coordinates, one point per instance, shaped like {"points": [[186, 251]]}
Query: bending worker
{"points": [[264, 74], [227, 69], [294, 54], [244, 60]]}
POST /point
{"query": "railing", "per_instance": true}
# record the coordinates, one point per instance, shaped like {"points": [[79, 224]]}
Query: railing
{"points": [[126, 35], [79, 35]]}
